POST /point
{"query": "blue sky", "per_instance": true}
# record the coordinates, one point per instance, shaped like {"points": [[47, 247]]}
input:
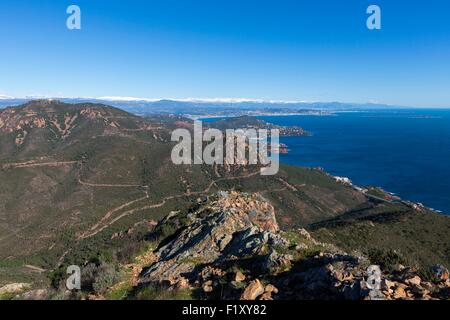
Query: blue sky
{"points": [[279, 50]]}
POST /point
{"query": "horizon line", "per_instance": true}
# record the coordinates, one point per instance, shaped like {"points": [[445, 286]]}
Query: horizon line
{"points": [[210, 100], [190, 99]]}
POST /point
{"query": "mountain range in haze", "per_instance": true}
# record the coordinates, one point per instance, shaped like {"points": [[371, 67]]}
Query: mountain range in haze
{"points": [[217, 107]]}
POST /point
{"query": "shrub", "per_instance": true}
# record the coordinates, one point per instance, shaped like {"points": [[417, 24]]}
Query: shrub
{"points": [[130, 250], [7, 296], [57, 277], [155, 292], [386, 259], [107, 276], [98, 278]]}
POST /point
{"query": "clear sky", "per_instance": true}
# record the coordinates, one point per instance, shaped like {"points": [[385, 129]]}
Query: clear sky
{"points": [[283, 50]]}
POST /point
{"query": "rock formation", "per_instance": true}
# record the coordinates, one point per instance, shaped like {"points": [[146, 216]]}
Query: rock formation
{"points": [[231, 248]]}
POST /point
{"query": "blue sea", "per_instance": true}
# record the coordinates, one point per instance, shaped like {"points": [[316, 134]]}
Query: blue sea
{"points": [[404, 151]]}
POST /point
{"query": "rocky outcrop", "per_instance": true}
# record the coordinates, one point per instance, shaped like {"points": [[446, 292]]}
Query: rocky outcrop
{"points": [[405, 283], [440, 272], [38, 294], [234, 226], [230, 247], [14, 288], [253, 290], [59, 119]]}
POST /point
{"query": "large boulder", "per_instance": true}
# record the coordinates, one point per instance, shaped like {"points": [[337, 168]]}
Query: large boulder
{"points": [[14, 288], [440, 272], [253, 290], [237, 225]]}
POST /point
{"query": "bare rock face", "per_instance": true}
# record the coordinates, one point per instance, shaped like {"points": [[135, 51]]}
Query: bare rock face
{"points": [[58, 119], [38, 294], [441, 272], [255, 208], [399, 293], [14, 288], [414, 281], [230, 244], [235, 226], [253, 290], [239, 277]]}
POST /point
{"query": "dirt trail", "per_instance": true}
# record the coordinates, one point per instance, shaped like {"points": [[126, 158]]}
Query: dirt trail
{"points": [[126, 213], [30, 164], [102, 223], [287, 184], [34, 268], [98, 228], [108, 215], [104, 185]]}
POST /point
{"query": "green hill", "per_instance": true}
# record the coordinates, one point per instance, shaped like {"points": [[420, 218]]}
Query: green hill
{"points": [[86, 180]]}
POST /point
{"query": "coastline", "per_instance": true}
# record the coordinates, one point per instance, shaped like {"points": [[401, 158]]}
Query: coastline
{"points": [[380, 159], [293, 155]]}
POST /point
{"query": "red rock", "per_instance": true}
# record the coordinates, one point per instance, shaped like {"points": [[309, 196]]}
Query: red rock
{"points": [[253, 290]]}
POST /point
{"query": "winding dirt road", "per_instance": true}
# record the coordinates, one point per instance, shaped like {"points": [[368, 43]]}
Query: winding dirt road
{"points": [[108, 219]]}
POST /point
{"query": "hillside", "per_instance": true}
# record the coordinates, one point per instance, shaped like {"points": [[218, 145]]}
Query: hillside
{"points": [[88, 181], [231, 247], [248, 122]]}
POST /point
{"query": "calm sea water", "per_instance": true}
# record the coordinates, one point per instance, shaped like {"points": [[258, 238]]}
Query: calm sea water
{"points": [[406, 152]]}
